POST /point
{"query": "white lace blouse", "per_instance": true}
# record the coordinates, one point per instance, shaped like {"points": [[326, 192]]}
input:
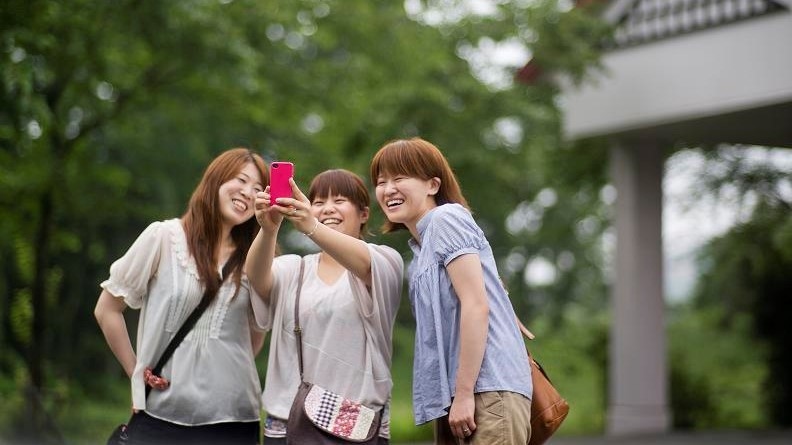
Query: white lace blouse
{"points": [[213, 376]]}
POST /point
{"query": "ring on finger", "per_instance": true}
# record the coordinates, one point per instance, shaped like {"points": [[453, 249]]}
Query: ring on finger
{"points": [[293, 211]]}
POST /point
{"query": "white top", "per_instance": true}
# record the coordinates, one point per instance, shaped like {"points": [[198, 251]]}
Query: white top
{"points": [[347, 331], [212, 374]]}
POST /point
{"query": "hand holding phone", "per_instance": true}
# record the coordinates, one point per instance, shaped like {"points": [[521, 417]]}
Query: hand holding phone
{"points": [[280, 172]]}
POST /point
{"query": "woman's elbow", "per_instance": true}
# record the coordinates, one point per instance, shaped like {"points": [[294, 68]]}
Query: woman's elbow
{"points": [[97, 315], [482, 305], [478, 306], [105, 305], [100, 313]]}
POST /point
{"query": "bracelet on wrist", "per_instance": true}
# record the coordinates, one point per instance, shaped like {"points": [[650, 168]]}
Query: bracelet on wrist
{"points": [[311, 233]]}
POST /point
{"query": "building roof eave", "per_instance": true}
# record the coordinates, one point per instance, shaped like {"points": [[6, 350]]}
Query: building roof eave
{"points": [[616, 10]]}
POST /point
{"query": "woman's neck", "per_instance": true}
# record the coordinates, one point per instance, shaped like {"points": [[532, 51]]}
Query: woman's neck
{"points": [[327, 259], [412, 226], [225, 248], [329, 270]]}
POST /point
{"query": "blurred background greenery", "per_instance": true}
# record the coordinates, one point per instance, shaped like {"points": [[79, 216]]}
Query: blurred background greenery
{"points": [[109, 111]]}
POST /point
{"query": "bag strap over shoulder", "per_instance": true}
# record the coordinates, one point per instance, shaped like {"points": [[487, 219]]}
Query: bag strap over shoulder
{"points": [[183, 331], [528, 334], [297, 329]]}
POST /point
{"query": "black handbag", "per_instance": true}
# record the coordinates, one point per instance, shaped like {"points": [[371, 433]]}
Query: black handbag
{"points": [[320, 416], [120, 435]]}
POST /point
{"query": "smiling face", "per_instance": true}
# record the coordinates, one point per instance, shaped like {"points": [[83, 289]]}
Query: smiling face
{"points": [[405, 200], [340, 213], [340, 200], [412, 177], [237, 194]]}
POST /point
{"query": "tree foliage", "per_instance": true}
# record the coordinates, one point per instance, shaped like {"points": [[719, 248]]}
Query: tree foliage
{"points": [[746, 270]]}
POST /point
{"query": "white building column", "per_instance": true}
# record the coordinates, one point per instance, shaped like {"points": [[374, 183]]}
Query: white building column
{"points": [[638, 377]]}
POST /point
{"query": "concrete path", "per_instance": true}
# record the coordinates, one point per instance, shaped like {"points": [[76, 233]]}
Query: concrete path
{"points": [[698, 438]]}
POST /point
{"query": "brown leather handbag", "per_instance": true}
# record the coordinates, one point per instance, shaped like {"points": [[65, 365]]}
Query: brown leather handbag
{"points": [[548, 407]]}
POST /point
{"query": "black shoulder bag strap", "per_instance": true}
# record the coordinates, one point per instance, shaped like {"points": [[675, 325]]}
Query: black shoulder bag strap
{"points": [[182, 332], [297, 329]]}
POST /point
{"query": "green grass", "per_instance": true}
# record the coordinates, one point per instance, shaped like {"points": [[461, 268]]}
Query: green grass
{"points": [[88, 420], [572, 357]]}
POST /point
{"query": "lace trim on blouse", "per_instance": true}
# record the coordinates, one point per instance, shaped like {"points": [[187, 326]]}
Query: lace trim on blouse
{"points": [[179, 244], [208, 326]]}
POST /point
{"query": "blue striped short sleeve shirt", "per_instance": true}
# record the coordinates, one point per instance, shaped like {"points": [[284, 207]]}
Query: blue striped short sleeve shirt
{"points": [[447, 232]]}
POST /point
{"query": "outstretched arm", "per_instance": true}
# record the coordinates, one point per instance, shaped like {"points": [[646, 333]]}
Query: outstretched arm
{"points": [[350, 252], [258, 265]]}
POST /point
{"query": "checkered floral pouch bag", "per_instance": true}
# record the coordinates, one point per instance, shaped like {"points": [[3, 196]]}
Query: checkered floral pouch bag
{"points": [[319, 416], [337, 415]]}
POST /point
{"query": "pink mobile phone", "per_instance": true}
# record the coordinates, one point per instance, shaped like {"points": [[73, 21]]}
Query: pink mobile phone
{"points": [[280, 172]]}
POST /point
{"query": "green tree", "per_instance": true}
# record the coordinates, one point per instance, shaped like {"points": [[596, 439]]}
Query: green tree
{"points": [[746, 270], [75, 76]]}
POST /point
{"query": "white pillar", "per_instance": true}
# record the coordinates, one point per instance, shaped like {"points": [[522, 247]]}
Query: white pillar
{"points": [[638, 380]]}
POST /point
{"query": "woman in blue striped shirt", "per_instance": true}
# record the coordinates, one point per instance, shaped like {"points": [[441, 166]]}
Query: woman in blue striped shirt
{"points": [[471, 372]]}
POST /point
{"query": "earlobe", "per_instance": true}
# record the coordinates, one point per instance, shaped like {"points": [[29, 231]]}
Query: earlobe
{"points": [[364, 215]]}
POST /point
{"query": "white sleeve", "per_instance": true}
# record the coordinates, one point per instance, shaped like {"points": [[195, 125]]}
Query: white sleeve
{"points": [[130, 274], [379, 305]]}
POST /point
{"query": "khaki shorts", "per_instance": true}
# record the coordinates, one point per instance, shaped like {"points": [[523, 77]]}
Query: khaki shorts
{"points": [[502, 418]]}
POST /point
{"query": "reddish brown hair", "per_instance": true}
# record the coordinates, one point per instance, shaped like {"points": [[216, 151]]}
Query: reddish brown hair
{"points": [[203, 220], [416, 158]]}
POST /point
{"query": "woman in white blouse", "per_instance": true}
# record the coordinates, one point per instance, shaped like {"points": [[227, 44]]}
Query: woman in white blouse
{"points": [[348, 304], [208, 392]]}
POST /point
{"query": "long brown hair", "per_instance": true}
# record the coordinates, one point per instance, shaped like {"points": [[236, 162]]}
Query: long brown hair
{"points": [[344, 183], [203, 220], [417, 158]]}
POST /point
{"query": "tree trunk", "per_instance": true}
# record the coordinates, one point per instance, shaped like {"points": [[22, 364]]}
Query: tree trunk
{"points": [[35, 356]]}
